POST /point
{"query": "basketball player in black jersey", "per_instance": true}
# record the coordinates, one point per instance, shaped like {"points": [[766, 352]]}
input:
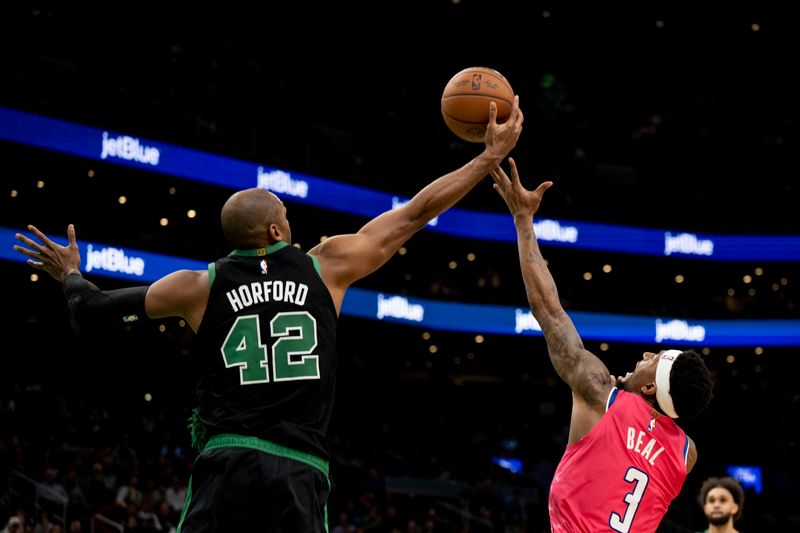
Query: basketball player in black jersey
{"points": [[265, 318]]}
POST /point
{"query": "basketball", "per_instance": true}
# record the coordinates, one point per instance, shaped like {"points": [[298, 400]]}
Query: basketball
{"points": [[466, 97]]}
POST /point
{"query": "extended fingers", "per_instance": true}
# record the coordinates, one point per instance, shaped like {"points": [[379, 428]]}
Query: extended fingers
{"points": [[544, 186], [28, 241], [29, 253], [514, 171], [492, 112], [516, 111], [71, 235], [42, 236], [500, 177]]}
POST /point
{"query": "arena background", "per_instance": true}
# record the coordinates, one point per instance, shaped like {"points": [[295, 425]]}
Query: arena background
{"points": [[658, 116]]}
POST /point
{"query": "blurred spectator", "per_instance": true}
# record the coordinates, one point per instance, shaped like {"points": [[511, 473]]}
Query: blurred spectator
{"points": [[175, 494], [14, 525], [722, 501], [51, 489]]}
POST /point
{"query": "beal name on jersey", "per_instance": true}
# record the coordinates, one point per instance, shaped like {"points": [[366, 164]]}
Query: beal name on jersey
{"points": [[635, 441]]}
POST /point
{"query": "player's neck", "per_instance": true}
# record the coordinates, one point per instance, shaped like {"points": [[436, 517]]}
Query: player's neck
{"points": [[725, 528]]}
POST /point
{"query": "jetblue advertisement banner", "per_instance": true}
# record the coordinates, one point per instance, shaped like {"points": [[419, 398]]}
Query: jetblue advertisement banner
{"points": [[146, 154], [144, 267]]}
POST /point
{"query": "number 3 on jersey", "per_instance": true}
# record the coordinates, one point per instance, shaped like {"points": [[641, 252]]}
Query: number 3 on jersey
{"points": [[633, 498], [292, 359]]}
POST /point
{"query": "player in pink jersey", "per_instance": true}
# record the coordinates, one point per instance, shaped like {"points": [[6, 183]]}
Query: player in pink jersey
{"points": [[626, 458]]}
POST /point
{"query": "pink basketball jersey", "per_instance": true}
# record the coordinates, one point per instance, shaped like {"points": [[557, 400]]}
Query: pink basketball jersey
{"points": [[623, 474]]}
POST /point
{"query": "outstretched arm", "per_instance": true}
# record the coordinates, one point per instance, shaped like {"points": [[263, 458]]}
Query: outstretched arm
{"points": [[183, 293], [347, 258], [586, 375]]}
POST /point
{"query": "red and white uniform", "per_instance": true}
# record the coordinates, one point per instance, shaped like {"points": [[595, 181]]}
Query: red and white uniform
{"points": [[623, 474]]}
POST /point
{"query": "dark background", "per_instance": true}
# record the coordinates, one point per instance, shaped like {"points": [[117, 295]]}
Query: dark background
{"points": [[664, 116]]}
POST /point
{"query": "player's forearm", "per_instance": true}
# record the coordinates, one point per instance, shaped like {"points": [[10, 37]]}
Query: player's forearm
{"points": [[87, 302], [444, 192], [564, 345], [539, 284]]}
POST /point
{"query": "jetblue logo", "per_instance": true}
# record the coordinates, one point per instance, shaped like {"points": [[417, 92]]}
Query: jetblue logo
{"points": [[279, 181], [399, 307], [687, 243], [679, 330], [551, 230], [398, 203], [113, 260], [525, 321], [129, 149]]}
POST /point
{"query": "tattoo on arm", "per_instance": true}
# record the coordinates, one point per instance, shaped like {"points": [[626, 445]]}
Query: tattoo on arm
{"points": [[580, 369]]}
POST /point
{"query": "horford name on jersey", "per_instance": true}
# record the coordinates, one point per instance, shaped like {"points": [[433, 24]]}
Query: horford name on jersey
{"points": [[260, 292]]}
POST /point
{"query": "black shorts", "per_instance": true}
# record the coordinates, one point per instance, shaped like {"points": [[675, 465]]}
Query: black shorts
{"points": [[246, 485]]}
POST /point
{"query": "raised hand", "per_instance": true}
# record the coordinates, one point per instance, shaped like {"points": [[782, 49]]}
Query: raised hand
{"points": [[58, 261], [502, 137], [520, 201]]}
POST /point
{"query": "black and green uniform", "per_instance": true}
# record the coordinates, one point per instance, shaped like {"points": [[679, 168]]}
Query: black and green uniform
{"points": [[267, 346]]}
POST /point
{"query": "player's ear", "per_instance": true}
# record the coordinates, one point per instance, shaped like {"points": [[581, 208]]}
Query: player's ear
{"points": [[648, 389], [275, 233]]}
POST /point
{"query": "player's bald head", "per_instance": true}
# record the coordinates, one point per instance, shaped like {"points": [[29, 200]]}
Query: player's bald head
{"points": [[247, 215]]}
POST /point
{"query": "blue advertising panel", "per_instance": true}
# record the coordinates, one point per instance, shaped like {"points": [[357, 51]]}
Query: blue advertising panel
{"points": [[156, 156], [145, 267]]}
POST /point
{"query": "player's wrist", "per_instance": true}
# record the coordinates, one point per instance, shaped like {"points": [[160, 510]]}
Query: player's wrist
{"points": [[523, 219], [490, 158], [71, 271]]}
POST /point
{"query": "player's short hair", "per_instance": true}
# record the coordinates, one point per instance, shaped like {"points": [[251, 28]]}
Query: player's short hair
{"points": [[728, 483], [246, 215], [690, 384]]}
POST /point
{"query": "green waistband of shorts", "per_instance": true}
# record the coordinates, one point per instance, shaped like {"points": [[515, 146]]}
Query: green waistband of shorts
{"points": [[229, 440]]}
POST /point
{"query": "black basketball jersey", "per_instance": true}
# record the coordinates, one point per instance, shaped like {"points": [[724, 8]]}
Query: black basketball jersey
{"points": [[267, 345]]}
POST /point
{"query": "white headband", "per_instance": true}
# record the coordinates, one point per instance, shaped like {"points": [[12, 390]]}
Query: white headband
{"points": [[662, 382]]}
